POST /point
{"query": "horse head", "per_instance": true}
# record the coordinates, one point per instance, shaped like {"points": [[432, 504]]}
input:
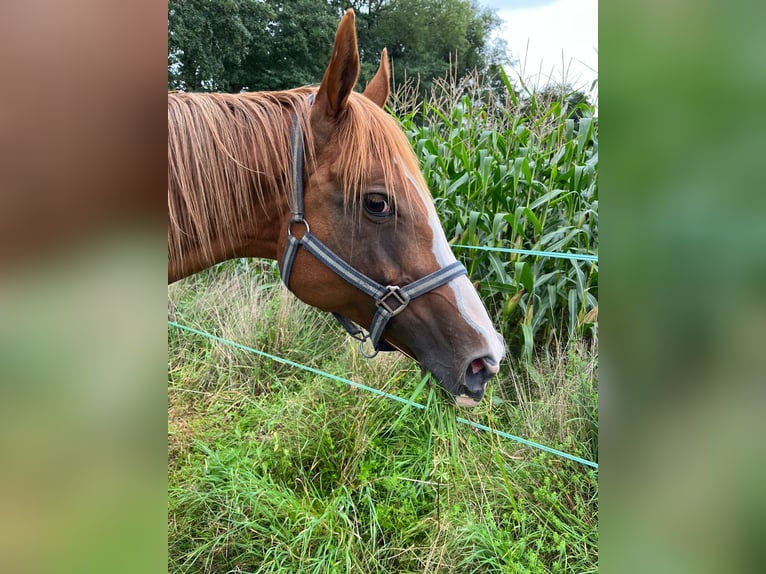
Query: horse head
{"points": [[366, 202]]}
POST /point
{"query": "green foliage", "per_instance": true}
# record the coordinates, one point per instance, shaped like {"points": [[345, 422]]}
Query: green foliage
{"points": [[230, 45], [277, 470], [519, 173], [208, 38], [425, 38]]}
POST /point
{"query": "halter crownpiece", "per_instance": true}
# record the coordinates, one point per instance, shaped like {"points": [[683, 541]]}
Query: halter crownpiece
{"points": [[390, 299]]}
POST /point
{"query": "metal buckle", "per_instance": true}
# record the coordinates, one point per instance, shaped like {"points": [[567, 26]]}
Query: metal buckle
{"points": [[401, 298]]}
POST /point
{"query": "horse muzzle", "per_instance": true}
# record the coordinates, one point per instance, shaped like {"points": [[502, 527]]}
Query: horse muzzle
{"points": [[466, 379], [477, 373]]}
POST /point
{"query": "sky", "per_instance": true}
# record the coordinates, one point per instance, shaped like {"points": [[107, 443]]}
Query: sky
{"points": [[538, 32]]}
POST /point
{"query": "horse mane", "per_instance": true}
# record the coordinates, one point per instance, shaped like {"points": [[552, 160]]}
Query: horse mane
{"points": [[226, 152]]}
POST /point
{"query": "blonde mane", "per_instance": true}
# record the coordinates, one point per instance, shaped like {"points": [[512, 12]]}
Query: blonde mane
{"points": [[228, 152]]}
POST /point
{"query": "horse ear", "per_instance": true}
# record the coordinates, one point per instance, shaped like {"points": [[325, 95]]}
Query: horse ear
{"points": [[342, 73], [378, 89]]}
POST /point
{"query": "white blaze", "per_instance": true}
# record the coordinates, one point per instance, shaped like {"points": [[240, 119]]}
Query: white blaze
{"points": [[470, 306]]}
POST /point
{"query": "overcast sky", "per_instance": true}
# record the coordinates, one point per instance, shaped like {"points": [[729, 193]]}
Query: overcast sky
{"points": [[538, 32]]}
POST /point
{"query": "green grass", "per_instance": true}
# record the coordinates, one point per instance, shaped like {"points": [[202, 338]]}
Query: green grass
{"points": [[273, 469]]}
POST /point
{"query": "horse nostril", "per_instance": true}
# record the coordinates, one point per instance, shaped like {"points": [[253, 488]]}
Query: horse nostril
{"points": [[478, 372], [477, 365]]}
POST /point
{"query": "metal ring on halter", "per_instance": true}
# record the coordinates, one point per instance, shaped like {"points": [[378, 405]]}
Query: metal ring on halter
{"points": [[301, 221]]}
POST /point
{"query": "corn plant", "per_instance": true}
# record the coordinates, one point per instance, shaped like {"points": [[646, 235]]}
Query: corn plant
{"points": [[522, 174]]}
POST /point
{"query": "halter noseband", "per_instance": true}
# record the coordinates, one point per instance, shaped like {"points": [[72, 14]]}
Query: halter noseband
{"points": [[390, 300]]}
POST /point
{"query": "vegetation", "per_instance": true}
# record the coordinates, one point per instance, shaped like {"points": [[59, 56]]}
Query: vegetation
{"points": [[521, 172], [273, 469], [230, 45]]}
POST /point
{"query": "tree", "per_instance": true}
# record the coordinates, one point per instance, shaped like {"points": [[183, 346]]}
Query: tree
{"points": [[230, 45], [295, 48], [425, 38], [208, 40]]}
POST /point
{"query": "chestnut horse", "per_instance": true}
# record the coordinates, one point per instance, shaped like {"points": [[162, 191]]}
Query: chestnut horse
{"points": [[325, 182]]}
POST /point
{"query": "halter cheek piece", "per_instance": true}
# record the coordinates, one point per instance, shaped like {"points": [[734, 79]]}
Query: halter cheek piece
{"points": [[390, 300]]}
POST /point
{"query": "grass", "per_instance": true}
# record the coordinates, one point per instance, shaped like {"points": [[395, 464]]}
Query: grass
{"points": [[272, 469]]}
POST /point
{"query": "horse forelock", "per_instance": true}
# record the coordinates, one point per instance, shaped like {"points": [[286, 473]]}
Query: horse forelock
{"points": [[369, 137]]}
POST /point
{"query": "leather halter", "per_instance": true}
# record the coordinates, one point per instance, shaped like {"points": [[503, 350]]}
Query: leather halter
{"points": [[390, 299]]}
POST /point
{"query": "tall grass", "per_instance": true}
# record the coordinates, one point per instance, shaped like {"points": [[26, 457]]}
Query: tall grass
{"points": [[507, 171], [273, 469]]}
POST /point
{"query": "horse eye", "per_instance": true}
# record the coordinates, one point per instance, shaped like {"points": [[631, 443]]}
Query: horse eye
{"points": [[377, 205]]}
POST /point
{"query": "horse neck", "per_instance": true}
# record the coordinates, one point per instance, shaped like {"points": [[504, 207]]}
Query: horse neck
{"points": [[247, 216]]}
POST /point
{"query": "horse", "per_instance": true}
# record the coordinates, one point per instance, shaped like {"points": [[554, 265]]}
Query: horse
{"points": [[325, 182]]}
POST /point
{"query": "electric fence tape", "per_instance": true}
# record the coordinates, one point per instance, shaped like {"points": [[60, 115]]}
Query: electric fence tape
{"points": [[556, 254], [382, 394]]}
